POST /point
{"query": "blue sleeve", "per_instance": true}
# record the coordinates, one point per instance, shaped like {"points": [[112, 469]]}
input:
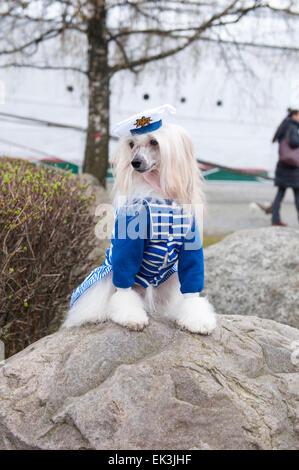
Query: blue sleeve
{"points": [[128, 243], [191, 263]]}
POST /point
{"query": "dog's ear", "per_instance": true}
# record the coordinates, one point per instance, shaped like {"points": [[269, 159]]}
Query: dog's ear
{"points": [[187, 146], [180, 175], [122, 170], [121, 152]]}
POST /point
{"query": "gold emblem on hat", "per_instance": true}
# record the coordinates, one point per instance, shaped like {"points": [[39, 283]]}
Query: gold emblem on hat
{"points": [[144, 121]]}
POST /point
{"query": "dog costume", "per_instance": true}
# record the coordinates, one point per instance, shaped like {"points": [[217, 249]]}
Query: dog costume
{"points": [[167, 240], [152, 238]]}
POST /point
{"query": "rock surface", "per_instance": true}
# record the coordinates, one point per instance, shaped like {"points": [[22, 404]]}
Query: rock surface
{"points": [[256, 272], [104, 387]]}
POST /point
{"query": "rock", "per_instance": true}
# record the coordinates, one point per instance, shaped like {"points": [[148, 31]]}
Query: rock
{"points": [[101, 195], [104, 387], [88, 178], [256, 272]]}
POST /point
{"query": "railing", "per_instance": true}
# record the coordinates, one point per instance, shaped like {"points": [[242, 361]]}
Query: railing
{"points": [[42, 122], [235, 170]]}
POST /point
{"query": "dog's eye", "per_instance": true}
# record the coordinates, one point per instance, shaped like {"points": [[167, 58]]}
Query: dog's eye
{"points": [[153, 142], [131, 144]]}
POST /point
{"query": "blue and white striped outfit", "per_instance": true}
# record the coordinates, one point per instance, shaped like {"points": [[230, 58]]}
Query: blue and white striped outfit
{"points": [[152, 240]]}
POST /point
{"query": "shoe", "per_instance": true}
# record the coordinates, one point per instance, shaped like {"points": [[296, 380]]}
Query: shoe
{"points": [[279, 224], [266, 209]]}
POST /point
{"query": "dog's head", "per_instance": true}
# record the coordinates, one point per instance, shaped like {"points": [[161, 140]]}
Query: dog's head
{"points": [[145, 152], [167, 154]]}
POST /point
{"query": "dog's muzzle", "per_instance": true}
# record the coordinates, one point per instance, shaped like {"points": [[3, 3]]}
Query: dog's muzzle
{"points": [[140, 165], [136, 163]]}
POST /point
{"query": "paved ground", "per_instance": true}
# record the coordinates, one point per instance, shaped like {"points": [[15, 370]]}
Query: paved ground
{"points": [[229, 207]]}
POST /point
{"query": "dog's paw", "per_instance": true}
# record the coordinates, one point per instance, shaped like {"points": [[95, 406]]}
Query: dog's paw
{"points": [[126, 309], [197, 316], [197, 323], [135, 320], [135, 326]]}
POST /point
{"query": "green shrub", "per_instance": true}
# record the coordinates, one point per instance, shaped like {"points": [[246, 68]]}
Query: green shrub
{"points": [[45, 231]]}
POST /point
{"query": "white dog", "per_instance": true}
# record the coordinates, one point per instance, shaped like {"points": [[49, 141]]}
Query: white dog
{"points": [[156, 172]]}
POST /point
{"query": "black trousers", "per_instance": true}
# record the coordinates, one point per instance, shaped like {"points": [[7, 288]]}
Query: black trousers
{"points": [[277, 201]]}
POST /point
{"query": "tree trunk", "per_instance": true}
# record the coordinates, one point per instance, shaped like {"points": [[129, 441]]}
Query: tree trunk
{"points": [[97, 141]]}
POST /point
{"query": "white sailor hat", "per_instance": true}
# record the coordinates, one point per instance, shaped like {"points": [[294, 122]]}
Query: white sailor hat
{"points": [[146, 121]]}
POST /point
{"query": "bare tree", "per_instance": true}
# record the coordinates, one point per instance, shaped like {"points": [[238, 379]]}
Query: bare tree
{"points": [[114, 35]]}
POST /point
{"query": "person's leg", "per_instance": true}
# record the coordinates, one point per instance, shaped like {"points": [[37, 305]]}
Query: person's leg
{"points": [[296, 194], [276, 205]]}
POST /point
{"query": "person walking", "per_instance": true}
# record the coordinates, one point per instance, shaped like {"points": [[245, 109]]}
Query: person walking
{"points": [[287, 169]]}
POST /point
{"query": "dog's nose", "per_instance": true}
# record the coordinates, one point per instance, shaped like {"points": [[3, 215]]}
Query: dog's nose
{"points": [[136, 162]]}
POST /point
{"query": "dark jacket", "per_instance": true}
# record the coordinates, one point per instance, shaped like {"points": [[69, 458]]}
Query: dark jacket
{"points": [[287, 176]]}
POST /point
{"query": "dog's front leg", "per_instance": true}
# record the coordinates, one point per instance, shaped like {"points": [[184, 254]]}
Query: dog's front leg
{"points": [[196, 314], [126, 308], [189, 311]]}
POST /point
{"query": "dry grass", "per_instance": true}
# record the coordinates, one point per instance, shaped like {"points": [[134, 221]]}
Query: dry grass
{"points": [[209, 240]]}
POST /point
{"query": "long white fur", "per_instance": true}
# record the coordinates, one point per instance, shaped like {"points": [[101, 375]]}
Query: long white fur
{"points": [[180, 177], [181, 181]]}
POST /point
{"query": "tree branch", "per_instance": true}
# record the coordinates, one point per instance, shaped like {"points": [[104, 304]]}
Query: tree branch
{"points": [[50, 34], [287, 11], [43, 67], [162, 55]]}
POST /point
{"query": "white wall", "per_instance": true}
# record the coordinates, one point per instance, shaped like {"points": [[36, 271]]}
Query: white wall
{"points": [[238, 133]]}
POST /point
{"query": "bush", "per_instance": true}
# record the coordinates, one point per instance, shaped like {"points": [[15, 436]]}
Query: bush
{"points": [[45, 231]]}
